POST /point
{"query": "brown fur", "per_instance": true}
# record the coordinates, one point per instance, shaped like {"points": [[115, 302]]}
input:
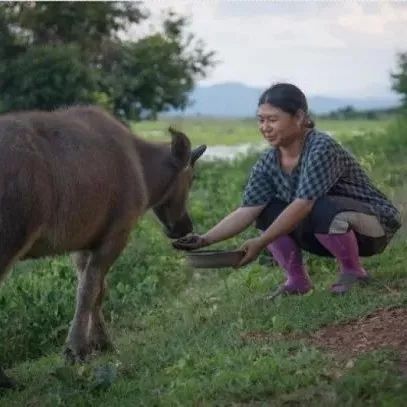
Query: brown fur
{"points": [[76, 180]]}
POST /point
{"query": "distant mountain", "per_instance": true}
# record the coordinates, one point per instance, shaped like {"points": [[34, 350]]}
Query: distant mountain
{"points": [[238, 100]]}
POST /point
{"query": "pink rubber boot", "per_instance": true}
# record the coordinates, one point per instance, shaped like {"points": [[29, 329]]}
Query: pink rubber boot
{"points": [[344, 247], [288, 255]]}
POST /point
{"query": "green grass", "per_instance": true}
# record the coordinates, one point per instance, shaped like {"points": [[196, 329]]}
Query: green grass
{"points": [[229, 132], [180, 333]]}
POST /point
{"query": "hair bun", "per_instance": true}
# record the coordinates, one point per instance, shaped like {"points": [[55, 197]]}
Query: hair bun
{"points": [[310, 123]]}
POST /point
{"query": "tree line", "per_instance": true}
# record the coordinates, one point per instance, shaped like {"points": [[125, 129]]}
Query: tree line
{"points": [[399, 84]]}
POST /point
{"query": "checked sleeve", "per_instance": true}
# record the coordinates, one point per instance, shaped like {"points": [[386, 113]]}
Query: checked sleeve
{"points": [[259, 188], [321, 171]]}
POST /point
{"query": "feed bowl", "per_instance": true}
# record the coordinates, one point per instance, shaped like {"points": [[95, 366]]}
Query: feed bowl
{"points": [[214, 258]]}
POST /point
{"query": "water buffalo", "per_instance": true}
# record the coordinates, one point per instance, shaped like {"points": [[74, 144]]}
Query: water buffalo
{"points": [[76, 180]]}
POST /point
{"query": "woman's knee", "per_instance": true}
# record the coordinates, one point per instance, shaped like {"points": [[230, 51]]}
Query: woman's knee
{"points": [[323, 214], [336, 214]]}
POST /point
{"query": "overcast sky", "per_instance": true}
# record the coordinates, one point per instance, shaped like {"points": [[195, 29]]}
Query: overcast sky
{"points": [[335, 48]]}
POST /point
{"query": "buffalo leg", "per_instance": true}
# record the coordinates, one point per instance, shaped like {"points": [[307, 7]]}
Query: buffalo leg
{"points": [[87, 329], [98, 338], [77, 347]]}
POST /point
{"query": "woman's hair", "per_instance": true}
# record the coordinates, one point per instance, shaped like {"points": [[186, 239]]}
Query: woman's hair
{"points": [[288, 98]]}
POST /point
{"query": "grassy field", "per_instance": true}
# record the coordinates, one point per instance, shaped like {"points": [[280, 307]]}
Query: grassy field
{"points": [[229, 132], [188, 337]]}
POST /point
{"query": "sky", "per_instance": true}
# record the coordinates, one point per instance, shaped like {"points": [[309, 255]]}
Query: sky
{"points": [[331, 48]]}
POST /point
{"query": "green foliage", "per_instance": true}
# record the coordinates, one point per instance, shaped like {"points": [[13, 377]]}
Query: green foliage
{"points": [[87, 24], [45, 78], [400, 77], [32, 310], [155, 73], [377, 371], [164, 76], [53, 55]]}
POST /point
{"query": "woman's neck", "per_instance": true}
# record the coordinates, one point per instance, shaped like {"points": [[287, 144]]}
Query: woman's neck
{"points": [[291, 153], [293, 150]]}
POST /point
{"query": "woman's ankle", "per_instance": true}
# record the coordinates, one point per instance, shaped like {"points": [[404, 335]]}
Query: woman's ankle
{"points": [[357, 271], [298, 283]]}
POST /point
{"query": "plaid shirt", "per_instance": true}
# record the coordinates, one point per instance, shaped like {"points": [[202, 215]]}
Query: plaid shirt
{"points": [[325, 168]]}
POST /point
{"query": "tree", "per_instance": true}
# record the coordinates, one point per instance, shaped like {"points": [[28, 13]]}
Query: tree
{"points": [[54, 54], [155, 73], [399, 78]]}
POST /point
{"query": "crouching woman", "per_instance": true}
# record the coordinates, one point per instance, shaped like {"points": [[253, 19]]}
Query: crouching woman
{"points": [[308, 193]]}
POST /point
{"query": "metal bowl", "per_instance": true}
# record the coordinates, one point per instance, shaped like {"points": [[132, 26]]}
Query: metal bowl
{"points": [[214, 258]]}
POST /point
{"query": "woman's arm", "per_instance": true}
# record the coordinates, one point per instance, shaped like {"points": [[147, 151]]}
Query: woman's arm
{"points": [[285, 223], [229, 226], [233, 224]]}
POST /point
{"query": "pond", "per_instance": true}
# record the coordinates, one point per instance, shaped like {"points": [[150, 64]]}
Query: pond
{"points": [[224, 152]]}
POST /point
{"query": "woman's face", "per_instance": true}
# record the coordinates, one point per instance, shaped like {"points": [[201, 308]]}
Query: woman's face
{"points": [[279, 128]]}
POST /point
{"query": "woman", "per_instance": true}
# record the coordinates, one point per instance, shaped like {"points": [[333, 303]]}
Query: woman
{"points": [[306, 192]]}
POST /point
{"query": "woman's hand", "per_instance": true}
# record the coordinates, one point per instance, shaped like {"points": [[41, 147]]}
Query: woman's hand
{"points": [[252, 249], [190, 242]]}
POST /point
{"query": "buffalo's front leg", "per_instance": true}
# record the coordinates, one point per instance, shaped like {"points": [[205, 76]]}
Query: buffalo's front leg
{"points": [[89, 280], [109, 251]]}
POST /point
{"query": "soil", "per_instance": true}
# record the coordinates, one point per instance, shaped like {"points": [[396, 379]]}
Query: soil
{"points": [[384, 328]]}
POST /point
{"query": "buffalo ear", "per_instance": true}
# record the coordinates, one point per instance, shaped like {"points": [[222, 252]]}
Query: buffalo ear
{"points": [[197, 152], [180, 148]]}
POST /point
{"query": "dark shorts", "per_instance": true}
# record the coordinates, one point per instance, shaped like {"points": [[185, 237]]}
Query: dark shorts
{"points": [[332, 214]]}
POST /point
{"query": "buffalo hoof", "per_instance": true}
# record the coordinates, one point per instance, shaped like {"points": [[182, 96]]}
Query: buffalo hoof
{"points": [[103, 346], [75, 356]]}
